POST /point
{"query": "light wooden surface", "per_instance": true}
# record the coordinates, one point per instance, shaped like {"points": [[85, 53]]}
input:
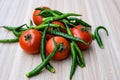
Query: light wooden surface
{"points": [[101, 64]]}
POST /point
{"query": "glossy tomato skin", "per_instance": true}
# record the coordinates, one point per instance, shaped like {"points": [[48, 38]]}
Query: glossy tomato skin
{"points": [[78, 31], [38, 19], [48, 36], [30, 41], [58, 55]]}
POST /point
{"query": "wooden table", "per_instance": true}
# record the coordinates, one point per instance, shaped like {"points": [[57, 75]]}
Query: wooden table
{"points": [[101, 64]]}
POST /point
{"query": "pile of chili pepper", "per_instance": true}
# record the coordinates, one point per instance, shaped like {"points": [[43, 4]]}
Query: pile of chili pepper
{"points": [[73, 26]]}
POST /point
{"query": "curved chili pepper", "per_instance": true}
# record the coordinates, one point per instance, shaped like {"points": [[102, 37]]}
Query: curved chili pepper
{"points": [[97, 36], [36, 70]]}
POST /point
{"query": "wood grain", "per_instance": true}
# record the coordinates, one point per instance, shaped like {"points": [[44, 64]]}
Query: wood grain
{"points": [[101, 64]]}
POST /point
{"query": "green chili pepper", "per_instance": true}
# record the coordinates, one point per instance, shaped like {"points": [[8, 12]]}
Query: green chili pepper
{"points": [[9, 40], [42, 51], [57, 12], [97, 36], [54, 32], [50, 25], [50, 19], [12, 28], [79, 62], [17, 34], [40, 27], [44, 63], [50, 13], [77, 21], [73, 66], [67, 22], [77, 49], [80, 57], [16, 31], [46, 13]]}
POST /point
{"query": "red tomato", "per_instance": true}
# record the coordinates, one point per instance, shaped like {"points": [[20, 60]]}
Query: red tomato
{"points": [[38, 19], [60, 54], [82, 33], [30, 41]]}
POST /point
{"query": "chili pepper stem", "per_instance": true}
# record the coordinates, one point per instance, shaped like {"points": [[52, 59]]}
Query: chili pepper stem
{"points": [[93, 36], [102, 47], [52, 70]]}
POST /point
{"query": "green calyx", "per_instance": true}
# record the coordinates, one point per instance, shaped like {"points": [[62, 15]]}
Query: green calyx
{"points": [[84, 29], [28, 37], [61, 47]]}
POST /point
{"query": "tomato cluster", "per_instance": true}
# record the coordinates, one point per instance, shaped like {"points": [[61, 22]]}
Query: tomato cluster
{"points": [[30, 39]]}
